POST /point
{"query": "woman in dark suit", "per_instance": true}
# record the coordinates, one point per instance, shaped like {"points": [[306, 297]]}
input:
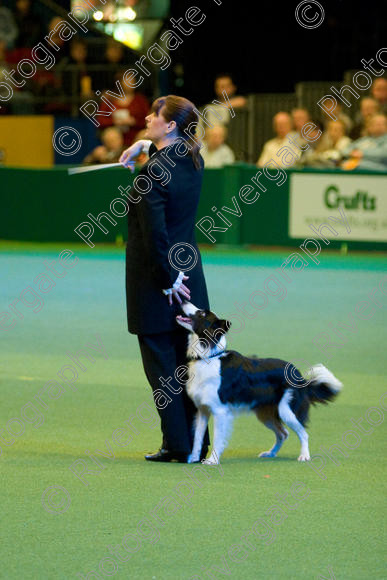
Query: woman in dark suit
{"points": [[164, 200]]}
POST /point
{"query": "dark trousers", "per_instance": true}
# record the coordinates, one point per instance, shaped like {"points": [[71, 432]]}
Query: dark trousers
{"points": [[161, 355]]}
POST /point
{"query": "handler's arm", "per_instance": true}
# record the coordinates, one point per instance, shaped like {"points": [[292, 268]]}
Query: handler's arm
{"points": [[129, 156], [152, 218], [151, 213]]}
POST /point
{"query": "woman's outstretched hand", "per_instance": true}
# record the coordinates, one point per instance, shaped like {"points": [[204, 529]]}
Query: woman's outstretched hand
{"points": [[129, 156], [182, 291]]}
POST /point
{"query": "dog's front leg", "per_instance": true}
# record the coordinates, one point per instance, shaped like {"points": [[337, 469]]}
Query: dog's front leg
{"points": [[222, 428], [201, 422]]}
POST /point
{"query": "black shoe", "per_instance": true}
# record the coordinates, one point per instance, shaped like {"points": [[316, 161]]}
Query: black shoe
{"points": [[166, 456]]}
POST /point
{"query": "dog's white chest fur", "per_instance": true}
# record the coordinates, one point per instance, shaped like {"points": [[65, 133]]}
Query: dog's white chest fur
{"points": [[204, 382]]}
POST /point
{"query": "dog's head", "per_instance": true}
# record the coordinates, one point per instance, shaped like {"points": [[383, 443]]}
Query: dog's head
{"points": [[208, 328]]}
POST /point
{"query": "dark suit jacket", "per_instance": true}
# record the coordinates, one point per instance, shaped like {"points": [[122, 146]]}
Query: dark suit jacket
{"points": [[163, 217]]}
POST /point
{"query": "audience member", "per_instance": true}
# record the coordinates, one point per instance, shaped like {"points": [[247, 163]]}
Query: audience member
{"points": [[29, 25], [214, 150], [379, 93], [129, 114], [340, 116], [309, 156], [114, 52], [4, 68], [330, 147], [8, 28], [368, 108], [334, 139], [299, 118], [22, 102], [114, 59], [218, 114], [369, 152], [282, 124], [63, 45], [77, 81], [110, 150], [224, 82], [47, 84]]}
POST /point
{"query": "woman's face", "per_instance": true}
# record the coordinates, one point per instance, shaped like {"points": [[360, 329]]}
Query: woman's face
{"points": [[156, 127]]}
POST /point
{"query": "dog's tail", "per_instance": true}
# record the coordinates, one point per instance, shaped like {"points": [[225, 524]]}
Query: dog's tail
{"points": [[323, 386]]}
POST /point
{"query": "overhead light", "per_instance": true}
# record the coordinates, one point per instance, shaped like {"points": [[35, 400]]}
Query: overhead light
{"points": [[98, 15], [126, 13], [130, 14]]}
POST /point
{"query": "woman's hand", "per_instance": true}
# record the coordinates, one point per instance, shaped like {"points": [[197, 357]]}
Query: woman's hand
{"points": [[181, 291], [129, 156]]}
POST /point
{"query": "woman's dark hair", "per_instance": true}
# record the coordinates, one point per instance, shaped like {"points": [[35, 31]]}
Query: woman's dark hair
{"points": [[181, 110]]}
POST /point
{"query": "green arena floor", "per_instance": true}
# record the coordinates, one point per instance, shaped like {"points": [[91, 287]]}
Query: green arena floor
{"points": [[319, 520]]}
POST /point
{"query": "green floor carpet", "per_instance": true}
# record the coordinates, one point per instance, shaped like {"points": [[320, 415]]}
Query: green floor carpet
{"points": [[322, 520]]}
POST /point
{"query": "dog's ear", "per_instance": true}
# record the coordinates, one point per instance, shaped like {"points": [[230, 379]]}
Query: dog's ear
{"points": [[224, 324]]}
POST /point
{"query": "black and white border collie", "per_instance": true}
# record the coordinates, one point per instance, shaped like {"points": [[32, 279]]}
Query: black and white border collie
{"points": [[223, 382]]}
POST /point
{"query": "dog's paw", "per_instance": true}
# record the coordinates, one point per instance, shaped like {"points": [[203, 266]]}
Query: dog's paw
{"points": [[267, 454], [304, 457]]}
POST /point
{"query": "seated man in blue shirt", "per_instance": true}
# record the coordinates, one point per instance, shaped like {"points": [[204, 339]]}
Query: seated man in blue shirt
{"points": [[369, 152]]}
